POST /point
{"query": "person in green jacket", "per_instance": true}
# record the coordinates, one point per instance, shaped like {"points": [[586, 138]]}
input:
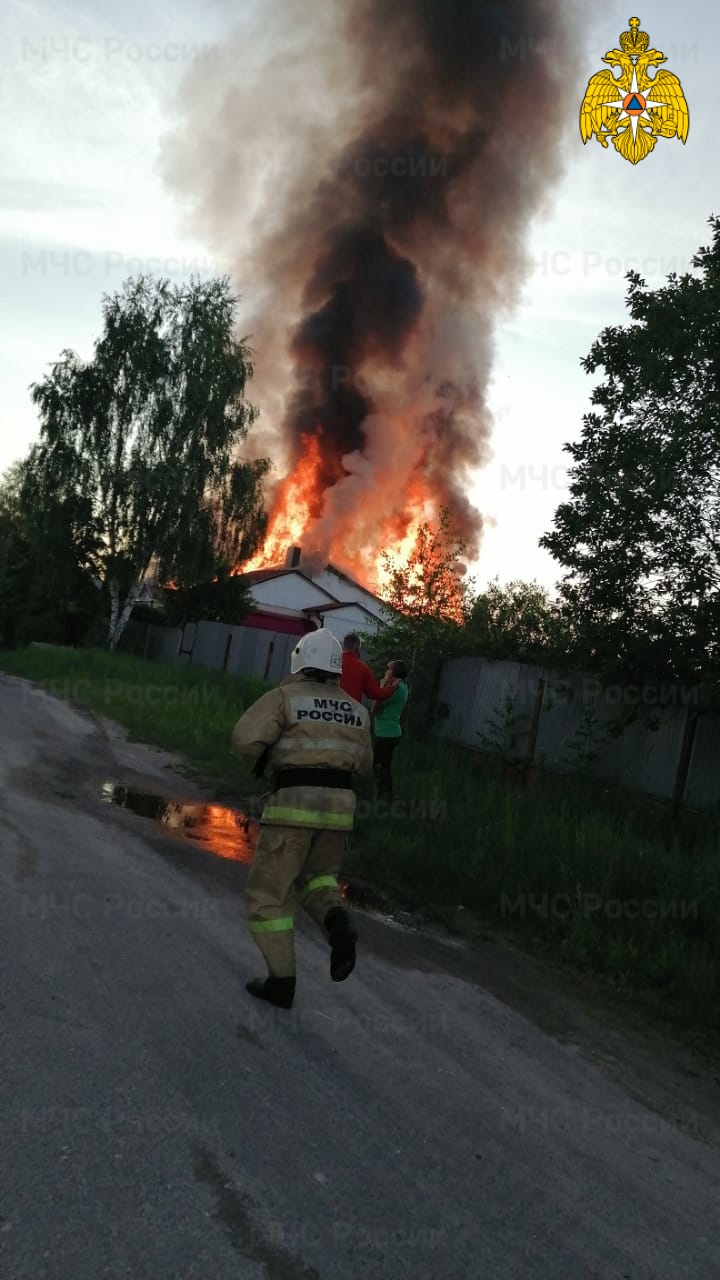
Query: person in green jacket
{"points": [[389, 718]]}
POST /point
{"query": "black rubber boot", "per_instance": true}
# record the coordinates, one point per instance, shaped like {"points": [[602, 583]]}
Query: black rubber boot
{"points": [[342, 938], [277, 991]]}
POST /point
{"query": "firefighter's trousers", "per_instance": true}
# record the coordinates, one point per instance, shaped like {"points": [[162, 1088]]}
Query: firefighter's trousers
{"points": [[291, 865]]}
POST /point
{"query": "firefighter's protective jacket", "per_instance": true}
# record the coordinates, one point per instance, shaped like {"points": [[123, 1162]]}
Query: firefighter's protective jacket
{"points": [[307, 723]]}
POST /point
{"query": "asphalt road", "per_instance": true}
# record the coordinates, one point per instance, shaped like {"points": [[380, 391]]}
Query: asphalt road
{"points": [[156, 1122]]}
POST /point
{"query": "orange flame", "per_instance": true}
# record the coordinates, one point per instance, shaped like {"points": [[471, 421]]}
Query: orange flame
{"points": [[399, 537], [390, 540], [292, 509]]}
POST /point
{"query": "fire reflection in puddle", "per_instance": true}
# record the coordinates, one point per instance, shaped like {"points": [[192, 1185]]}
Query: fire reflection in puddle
{"points": [[224, 832]]}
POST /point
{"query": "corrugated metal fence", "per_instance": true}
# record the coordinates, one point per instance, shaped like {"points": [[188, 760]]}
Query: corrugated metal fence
{"points": [[525, 713], [653, 740], [246, 651]]}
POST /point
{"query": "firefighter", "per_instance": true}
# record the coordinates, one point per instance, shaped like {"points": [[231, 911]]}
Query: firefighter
{"points": [[314, 737]]}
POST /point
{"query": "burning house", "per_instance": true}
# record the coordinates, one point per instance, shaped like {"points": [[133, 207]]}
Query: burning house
{"points": [[371, 171], [295, 598], [289, 600]]}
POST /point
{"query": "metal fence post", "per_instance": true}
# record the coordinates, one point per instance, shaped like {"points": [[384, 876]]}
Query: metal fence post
{"points": [[435, 689], [534, 726], [691, 724]]}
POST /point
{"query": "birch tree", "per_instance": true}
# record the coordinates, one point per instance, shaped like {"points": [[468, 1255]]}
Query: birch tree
{"points": [[149, 431]]}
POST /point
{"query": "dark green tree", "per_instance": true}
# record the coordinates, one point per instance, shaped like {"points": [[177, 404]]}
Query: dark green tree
{"points": [[11, 483], [639, 538], [516, 622], [148, 431], [14, 554], [49, 555], [226, 599]]}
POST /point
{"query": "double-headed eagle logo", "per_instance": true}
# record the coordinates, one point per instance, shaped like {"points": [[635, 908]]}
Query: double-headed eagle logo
{"points": [[634, 108]]}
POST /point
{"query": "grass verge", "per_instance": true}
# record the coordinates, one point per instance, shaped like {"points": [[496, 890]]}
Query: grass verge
{"points": [[185, 710], [600, 878], [596, 876]]}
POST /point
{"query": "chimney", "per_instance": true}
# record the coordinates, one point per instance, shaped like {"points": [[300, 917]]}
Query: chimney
{"points": [[292, 558]]}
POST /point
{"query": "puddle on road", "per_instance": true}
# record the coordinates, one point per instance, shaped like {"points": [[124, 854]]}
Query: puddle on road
{"points": [[224, 832], [228, 833]]}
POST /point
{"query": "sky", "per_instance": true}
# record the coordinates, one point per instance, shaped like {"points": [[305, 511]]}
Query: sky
{"points": [[91, 91]]}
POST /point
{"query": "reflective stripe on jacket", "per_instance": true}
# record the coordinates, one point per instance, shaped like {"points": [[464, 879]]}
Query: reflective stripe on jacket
{"points": [[308, 724]]}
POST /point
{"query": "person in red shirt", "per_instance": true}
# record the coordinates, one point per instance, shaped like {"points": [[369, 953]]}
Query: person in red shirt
{"points": [[357, 678]]}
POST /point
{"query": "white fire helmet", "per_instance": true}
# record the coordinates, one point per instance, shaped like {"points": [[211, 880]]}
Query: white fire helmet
{"points": [[317, 651]]}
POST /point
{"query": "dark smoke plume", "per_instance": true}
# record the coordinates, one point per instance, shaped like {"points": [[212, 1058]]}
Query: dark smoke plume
{"points": [[371, 178]]}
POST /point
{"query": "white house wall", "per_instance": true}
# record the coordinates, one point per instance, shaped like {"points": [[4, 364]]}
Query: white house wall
{"points": [[344, 590], [342, 621], [289, 591]]}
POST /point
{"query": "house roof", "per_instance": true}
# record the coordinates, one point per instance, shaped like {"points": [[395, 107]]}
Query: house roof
{"points": [[281, 610], [332, 568], [265, 575], [341, 604], [260, 575]]}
